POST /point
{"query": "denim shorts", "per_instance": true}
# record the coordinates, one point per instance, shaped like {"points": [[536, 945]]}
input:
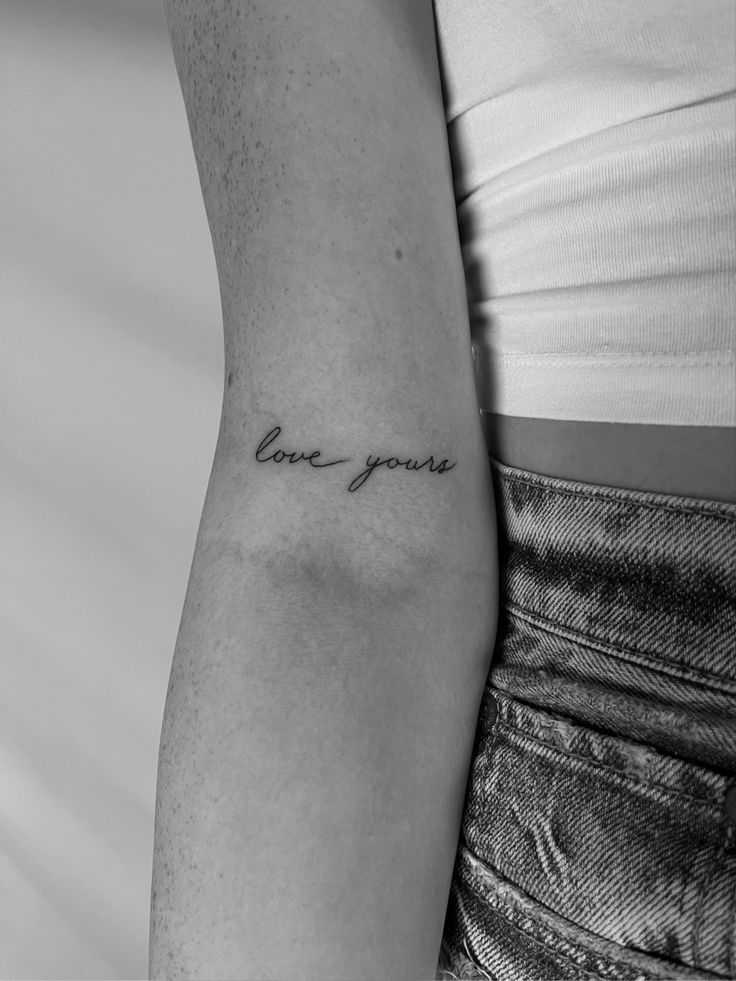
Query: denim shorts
{"points": [[598, 835]]}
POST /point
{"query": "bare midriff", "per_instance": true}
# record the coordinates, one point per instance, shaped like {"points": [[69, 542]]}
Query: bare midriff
{"points": [[689, 461]]}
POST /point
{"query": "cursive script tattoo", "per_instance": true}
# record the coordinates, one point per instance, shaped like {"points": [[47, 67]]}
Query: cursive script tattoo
{"points": [[278, 456], [391, 462], [371, 463]]}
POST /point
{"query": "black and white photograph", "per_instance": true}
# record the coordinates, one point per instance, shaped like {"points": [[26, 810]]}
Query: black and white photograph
{"points": [[368, 525]]}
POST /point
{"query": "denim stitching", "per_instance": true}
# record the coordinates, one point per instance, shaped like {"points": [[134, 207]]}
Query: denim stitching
{"points": [[541, 943], [697, 915], [509, 905], [555, 953], [715, 862], [702, 801], [631, 505], [669, 668]]}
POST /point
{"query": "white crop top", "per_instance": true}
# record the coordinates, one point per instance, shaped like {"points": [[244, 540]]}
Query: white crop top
{"points": [[593, 146]]}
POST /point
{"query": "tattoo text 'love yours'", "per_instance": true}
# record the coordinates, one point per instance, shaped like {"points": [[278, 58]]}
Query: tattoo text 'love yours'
{"points": [[266, 453]]}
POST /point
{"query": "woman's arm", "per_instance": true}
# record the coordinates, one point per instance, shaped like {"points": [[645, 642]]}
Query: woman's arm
{"points": [[342, 603]]}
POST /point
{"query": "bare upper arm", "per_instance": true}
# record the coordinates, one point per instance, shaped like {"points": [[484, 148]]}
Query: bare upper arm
{"points": [[336, 632], [320, 138]]}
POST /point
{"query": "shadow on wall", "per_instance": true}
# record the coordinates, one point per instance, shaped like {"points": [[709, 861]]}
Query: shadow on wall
{"points": [[111, 398]]}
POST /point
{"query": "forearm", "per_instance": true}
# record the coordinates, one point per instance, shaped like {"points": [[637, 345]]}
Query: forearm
{"points": [[337, 631], [314, 751]]}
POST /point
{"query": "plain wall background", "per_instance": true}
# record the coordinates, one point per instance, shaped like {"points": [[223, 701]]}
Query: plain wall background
{"points": [[111, 367]]}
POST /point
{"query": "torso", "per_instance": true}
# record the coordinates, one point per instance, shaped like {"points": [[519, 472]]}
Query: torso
{"points": [[690, 461]]}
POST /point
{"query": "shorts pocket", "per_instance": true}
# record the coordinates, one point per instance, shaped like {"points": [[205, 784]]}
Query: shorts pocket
{"points": [[587, 855]]}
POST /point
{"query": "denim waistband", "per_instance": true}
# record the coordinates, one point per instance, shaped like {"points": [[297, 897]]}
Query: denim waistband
{"points": [[618, 609], [599, 827]]}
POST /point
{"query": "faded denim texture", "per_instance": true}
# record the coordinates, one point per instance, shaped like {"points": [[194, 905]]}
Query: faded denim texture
{"points": [[599, 828]]}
